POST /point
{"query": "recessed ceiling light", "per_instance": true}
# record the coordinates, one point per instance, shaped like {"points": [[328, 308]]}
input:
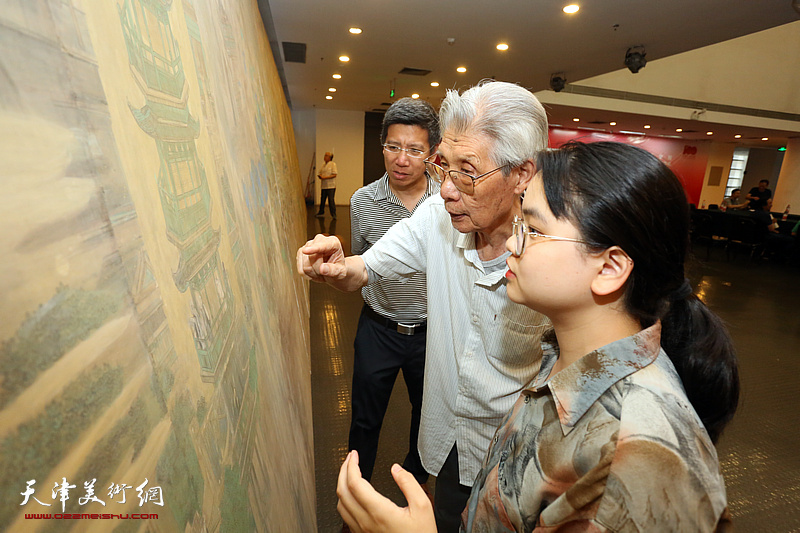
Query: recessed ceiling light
{"points": [[576, 120], [647, 126], [434, 84], [415, 96], [612, 123], [502, 46], [764, 138], [344, 59], [337, 76], [332, 89], [737, 136], [461, 69], [679, 130], [709, 133], [329, 97], [355, 31], [571, 9]]}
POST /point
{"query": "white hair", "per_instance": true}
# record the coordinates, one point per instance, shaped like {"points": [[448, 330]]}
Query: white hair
{"points": [[510, 116]]}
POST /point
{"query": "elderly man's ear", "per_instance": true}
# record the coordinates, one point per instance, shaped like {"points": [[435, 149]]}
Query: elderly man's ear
{"points": [[524, 174]]}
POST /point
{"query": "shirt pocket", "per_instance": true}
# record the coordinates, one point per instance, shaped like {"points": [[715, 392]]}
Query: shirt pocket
{"points": [[513, 345]]}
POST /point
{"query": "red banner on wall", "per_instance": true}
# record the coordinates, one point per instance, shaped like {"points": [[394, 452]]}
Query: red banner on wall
{"points": [[687, 159]]}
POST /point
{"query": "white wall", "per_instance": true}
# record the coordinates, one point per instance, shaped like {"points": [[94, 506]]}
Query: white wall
{"points": [[342, 133], [787, 191], [720, 155], [739, 72], [304, 123]]}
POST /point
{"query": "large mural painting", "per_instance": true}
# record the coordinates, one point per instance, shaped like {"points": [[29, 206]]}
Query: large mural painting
{"points": [[154, 370]]}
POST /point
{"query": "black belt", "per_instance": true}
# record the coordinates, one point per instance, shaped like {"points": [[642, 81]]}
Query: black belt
{"points": [[399, 327]]}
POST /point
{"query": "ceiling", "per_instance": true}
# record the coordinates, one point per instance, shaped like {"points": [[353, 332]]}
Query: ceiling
{"points": [[440, 36]]}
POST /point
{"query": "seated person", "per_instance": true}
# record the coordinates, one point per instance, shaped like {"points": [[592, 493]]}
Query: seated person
{"points": [[776, 245], [638, 376], [734, 201], [758, 196]]}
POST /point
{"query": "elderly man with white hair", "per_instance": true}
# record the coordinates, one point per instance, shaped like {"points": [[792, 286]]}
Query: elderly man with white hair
{"points": [[482, 348]]}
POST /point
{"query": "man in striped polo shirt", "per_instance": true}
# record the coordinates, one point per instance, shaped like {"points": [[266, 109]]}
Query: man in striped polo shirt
{"points": [[392, 326], [483, 349]]}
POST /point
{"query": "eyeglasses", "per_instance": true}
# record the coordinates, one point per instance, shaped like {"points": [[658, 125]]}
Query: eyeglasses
{"points": [[416, 153], [520, 230], [463, 182]]}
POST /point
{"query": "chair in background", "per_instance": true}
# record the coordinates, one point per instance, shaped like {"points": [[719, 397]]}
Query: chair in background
{"points": [[703, 230], [746, 234]]}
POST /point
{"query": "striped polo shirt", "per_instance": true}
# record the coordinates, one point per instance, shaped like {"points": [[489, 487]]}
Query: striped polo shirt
{"points": [[374, 209]]}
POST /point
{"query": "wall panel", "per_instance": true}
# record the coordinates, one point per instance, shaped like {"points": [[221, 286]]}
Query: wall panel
{"points": [[154, 350]]}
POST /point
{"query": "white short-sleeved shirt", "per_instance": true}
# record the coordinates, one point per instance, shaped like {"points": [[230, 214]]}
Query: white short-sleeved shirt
{"points": [[482, 348]]}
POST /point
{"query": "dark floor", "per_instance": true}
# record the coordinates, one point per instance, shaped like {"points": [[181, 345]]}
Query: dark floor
{"points": [[759, 452]]}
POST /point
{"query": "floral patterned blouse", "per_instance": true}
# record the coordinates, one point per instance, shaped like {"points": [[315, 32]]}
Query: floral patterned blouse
{"points": [[611, 443]]}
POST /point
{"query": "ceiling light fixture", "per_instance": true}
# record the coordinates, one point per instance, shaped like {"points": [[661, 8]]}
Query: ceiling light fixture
{"points": [[709, 133], [337, 76], [678, 130], [329, 97], [576, 120], [344, 59], [635, 58], [434, 84], [355, 31], [415, 96], [502, 46], [461, 69], [647, 126], [737, 136], [558, 81], [331, 89], [571, 9], [764, 138], [612, 123]]}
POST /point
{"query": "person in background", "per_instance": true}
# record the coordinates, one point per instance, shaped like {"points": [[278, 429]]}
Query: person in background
{"points": [[638, 377], [758, 196], [392, 327], [777, 246], [327, 178], [482, 349], [734, 201]]}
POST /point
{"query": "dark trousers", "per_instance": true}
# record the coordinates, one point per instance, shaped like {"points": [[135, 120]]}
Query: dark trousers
{"points": [[327, 193], [450, 497], [380, 353]]}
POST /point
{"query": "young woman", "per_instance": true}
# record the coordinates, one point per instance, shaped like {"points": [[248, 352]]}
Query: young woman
{"points": [[638, 377]]}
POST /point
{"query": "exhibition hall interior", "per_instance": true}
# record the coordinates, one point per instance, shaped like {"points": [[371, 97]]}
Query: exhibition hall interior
{"points": [[162, 360]]}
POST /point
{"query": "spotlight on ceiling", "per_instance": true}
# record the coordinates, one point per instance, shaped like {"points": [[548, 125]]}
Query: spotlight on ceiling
{"points": [[635, 58], [557, 82]]}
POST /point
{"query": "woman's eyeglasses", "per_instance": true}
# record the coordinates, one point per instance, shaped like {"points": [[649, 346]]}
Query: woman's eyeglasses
{"points": [[520, 230]]}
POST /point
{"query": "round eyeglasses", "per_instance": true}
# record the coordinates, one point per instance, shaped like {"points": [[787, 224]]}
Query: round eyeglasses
{"points": [[416, 153], [520, 230], [461, 180]]}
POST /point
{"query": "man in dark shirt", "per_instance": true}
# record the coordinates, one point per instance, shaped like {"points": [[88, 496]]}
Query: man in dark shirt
{"points": [[758, 196]]}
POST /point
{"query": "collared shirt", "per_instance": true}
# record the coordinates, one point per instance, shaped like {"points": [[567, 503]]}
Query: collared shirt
{"points": [[374, 209], [328, 169], [482, 348], [611, 443], [729, 201]]}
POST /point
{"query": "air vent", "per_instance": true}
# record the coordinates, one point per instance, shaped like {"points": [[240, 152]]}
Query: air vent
{"points": [[415, 71], [379, 110], [386, 103], [596, 122], [294, 52]]}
